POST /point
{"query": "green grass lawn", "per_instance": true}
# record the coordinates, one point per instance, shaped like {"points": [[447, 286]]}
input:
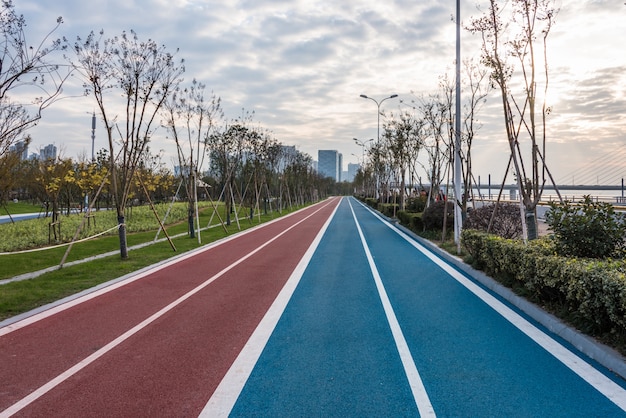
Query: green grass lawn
{"points": [[22, 296], [19, 207]]}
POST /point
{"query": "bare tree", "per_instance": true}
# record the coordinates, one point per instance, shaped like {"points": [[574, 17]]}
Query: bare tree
{"points": [[141, 73], [404, 141], [24, 70], [437, 125], [28, 69], [524, 38], [227, 148], [476, 90], [262, 159], [191, 119]]}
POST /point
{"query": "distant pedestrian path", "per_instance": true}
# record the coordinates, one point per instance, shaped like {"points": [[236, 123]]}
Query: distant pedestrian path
{"points": [[19, 217]]}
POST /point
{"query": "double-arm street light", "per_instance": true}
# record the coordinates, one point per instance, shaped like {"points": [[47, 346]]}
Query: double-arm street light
{"points": [[378, 103], [378, 110]]}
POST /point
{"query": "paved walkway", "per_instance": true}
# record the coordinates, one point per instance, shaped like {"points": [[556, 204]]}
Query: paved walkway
{"points": [[329, 312]]}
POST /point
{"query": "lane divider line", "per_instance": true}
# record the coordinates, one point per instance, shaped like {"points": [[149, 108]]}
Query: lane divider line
{"points": [[420, 395], [582, 368], [227, 392], [36, 394]]}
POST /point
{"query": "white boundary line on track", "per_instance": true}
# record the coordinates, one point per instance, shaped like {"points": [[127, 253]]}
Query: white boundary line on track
{"points": [[420, 395], [36, 394], [586, 371], [131, 278], [225, 396]]}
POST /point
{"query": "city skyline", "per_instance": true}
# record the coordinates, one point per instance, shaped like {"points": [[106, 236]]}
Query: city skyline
{"points": [[301, 67]]}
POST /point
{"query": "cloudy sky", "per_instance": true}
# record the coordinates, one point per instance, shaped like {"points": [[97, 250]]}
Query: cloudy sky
{"points": [[301, 65]]}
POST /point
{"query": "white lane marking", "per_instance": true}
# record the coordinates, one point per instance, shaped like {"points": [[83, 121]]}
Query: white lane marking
{"points": [[225, 396], [586, 371], [33, 396], [420, 395], [54, 310]]}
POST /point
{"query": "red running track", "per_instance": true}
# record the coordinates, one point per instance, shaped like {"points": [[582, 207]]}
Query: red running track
{"points": [[158, 344]]}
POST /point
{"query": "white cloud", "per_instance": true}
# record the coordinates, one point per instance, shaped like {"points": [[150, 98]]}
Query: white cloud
{"points": [[301, 66]]}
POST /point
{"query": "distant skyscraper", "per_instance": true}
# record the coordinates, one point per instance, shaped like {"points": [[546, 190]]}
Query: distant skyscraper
{"points": [[339, 167], [20, 148], [329, 164], [49, 152], [178, 170], [351, 173]]}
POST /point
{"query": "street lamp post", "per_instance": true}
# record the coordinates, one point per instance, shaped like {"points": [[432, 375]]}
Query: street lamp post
{"points": [[378, 129], [362, 164], [458, 221]]}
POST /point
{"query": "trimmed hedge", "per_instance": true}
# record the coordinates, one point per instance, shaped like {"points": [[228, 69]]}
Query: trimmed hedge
{"points": [[371, 202], [389, 209], [594, 291], [411, 220]]}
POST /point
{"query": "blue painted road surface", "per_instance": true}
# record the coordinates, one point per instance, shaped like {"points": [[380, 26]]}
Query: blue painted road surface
{"points": [[373, 324]]}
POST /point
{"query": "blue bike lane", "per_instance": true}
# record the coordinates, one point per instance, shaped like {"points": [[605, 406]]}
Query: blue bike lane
{"points": [[379, 326]]}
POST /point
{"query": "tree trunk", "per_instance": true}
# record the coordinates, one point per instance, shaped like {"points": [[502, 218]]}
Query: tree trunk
{"points": [[190, 220], [122, 235], [531, 224]]}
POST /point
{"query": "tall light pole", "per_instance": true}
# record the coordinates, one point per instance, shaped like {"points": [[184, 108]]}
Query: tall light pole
{"points": [[458, 221], [93, 157], [362, 145], [378, 129], [93, 135]]}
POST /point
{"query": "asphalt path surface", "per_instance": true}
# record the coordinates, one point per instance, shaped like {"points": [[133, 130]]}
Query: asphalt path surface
{"points": [[331, 311]]}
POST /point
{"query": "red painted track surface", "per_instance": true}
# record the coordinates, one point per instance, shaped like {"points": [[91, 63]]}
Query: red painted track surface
{"points": [[172, 366]]}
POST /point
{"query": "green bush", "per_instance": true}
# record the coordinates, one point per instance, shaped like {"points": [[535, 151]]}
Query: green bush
{"points": [[588, 229], [389, 209], [593, 291], [371, 202], [411, 220], [433, 215], [416, 204]]}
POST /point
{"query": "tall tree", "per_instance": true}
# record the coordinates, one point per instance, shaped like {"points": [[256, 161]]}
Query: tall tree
{"points": [[437, 123], [476, 89], [137, 76], [191, 120], [27, 69], [523, 37], [404, 141], [261, 160], [227, 149]]}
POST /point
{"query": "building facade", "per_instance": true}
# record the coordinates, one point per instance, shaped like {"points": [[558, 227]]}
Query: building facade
{"points": [[351, 173], [20, 148], [329, 164], [49, 152]]}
